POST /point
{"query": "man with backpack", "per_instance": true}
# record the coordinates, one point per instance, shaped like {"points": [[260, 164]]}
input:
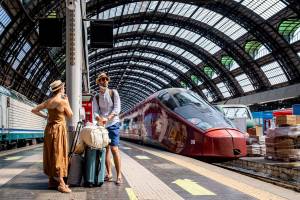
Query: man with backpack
{"points": [[106, 108]]}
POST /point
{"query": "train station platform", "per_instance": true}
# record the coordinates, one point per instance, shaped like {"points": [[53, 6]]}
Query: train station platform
{"points": [[148, 174]]}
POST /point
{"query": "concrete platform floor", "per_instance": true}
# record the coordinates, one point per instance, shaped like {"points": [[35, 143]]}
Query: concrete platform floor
{"points": [[148, 174]]}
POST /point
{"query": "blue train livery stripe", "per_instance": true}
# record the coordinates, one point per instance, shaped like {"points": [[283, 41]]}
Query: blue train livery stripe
{"points": [[22, 130], [17, 134]]}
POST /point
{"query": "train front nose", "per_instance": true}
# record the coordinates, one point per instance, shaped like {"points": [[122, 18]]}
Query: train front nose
{"points": [[225, 143]]}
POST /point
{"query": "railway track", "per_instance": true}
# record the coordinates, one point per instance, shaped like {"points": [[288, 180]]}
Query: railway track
{"points": [[253, 174]]}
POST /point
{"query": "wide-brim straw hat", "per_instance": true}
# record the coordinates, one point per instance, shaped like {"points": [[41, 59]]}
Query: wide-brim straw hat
{"points": [[101, 75], [56, 85]]}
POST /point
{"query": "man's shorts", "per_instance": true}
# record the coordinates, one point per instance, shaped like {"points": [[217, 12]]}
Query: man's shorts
{"points": [[113, 132]]}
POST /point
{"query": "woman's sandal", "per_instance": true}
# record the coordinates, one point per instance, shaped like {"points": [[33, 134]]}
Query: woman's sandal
{"points": [[108, 178], [64, 189], [119, 181]]}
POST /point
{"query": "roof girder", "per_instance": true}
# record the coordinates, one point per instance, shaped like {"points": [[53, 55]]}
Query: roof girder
{"points": [[231, 47], [255, 24], [136, 67], [150, 60]]}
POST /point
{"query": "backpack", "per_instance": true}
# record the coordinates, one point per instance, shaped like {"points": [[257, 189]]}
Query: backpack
{"points": [[111, 94]]}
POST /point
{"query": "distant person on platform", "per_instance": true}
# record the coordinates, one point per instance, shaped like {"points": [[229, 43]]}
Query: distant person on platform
{"points": [[55, 155], [106, 109]]}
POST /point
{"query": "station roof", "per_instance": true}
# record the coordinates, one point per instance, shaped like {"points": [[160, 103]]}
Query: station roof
{"points": [[219, 49]]}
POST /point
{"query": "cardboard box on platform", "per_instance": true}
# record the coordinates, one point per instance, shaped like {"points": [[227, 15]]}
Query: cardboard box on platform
{"points": [[259, 130], [298, 119], [290, 120]]}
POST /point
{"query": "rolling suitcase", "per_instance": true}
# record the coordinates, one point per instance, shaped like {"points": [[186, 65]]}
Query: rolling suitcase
{"points": [[94, 166], [75, 161]]}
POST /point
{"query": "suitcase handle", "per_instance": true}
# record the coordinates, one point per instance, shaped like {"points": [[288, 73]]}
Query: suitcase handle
{"points": [[74, 142]]}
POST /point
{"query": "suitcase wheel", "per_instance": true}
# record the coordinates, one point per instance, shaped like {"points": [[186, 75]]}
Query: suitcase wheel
{"points": [[88, 185], [100, 184]]}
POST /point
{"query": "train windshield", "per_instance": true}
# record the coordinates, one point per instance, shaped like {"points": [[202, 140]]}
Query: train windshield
{"points": [[193, 108]]}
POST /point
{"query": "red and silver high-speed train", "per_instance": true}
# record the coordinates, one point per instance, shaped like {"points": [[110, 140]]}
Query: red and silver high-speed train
{"points": [[180, 121]]}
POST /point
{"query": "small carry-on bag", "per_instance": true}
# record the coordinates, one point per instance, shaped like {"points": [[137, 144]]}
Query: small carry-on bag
{"points": [[94, 166], [75, 161]]}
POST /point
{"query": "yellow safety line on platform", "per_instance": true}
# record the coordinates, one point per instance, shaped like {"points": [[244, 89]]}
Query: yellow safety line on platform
{"points": [[224, 180], [144, 183], [142, 157], [131, 194], [13, 158], [192, 187]]}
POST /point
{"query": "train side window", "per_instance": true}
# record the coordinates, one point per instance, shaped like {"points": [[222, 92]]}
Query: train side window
{"points": [[126, 124], [167, 100]]}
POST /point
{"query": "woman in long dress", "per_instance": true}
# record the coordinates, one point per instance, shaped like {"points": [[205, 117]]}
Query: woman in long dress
{"points": [[55, 155]]}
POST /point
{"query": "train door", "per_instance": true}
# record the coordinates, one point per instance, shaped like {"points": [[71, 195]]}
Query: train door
{"points": [[148, 124], [3, 111], [1, 118], [1, 114]]}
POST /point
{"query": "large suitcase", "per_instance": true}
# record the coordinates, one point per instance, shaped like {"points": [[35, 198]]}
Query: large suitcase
{"points": [[94, 166], [75, 161]]}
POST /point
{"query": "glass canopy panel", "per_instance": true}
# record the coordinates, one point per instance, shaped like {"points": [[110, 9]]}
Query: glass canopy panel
{"points": [[43, 79], [264, 8], [4, 19], [209, 71], [145, 80], [132, 84], [204, 15], [229, 63], [208, 45], [274, 73], [262, 51], [230, 28], [174, 49], [288, 27], [33, 68], [255, 49], [182, 33], [165, 6], [182, 9], [224, 90], [129, 82], [296, 36], [150, 74], [26, 47], [163, 59], [208, 95], [161, 69], [152, 6], [37, 69], [245, 83], [196, 80]]}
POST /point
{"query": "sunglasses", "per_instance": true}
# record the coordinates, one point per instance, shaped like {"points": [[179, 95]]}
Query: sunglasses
{"points": [[104, 79]]}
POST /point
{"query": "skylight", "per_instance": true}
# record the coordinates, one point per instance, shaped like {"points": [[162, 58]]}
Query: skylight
{"points": [[274, 73]]}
